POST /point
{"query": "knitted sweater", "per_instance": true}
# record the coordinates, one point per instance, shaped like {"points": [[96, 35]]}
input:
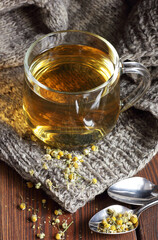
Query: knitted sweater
{"points": [[131, 26]]}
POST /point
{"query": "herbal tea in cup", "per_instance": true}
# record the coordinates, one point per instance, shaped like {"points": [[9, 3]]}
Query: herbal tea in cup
{"points": [[72, 89]]}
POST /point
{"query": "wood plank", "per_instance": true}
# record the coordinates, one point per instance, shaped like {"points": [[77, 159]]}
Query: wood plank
{"points": [[15, 224], [149, 219]]}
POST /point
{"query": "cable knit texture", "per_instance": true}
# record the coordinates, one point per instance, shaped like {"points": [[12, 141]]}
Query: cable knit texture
{"points": [[131, 26]]}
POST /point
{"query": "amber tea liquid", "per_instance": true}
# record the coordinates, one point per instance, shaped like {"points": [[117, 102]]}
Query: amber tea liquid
{"points": [[61, 114]]}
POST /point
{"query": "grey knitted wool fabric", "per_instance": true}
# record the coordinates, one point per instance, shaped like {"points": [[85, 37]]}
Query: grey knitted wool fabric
{"points": [[131, 26]]}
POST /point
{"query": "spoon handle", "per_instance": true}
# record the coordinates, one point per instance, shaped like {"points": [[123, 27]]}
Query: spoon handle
{"points": [[151, 203]]}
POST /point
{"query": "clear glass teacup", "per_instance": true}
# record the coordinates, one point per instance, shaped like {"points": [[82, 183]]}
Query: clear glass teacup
{"points": [[72, 88]]}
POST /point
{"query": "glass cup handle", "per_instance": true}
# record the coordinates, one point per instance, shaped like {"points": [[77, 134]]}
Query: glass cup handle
{"points": [[144, 84]]}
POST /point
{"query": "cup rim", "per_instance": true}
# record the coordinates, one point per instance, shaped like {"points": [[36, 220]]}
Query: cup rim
{"points": [[29, 74]]}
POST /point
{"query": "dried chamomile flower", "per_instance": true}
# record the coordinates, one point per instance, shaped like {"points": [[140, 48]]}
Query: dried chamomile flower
{"points": [[64, 225], [38, 185], [43, 201], [94, 181], [94, 148], [71, 176], [57, 220], [49, 183], [34, 218], [76, 165], [66, 176], [134, 219], [119, 222], [113, 227], [86, 152], [110, 211], [75, 159], [48, 150], [113, 218], [53, 222], [45, 166], [60, 153], [58, 212], [31, 172], [58, 236], [29, 184], [41, 235], [22, 206], [81, 160], [69, 156]]}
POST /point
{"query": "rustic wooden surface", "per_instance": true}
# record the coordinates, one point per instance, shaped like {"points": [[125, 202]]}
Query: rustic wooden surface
{"points": [[15, 224]]}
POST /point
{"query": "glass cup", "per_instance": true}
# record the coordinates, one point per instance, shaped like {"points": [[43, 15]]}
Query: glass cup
{"points": [[72, 88]]}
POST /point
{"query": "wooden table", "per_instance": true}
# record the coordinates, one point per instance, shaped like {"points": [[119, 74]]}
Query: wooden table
{"points": [[15, 224]]}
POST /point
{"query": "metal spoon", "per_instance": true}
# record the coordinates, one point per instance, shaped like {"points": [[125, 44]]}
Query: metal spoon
{"points": [[98, 217], [135, 190]]}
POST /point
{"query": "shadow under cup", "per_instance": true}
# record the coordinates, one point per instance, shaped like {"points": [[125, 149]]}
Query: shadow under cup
{"points": [[71, 88]]}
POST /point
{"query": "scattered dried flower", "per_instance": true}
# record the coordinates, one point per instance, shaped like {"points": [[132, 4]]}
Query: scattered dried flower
{"points": [[94, 148], [22, 206], [75, 159], [69, 156], [49, 183], [45, 166], [38, 185], [29, 184], [31, 172], [94, 181], [58, 212], [58, 236], [64, 225], [41, 235], [61, 154], [57, 220], [86, 152], [43, 201], [34, 218]]}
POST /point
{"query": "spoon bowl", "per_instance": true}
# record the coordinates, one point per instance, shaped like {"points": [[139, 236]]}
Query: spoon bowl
{"points": [[135, 190], [103, 214]]}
